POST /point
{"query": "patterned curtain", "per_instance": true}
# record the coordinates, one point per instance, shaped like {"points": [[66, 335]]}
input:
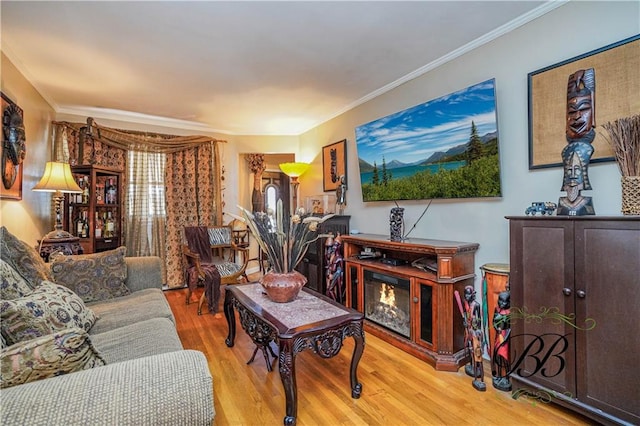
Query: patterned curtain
{"points": [[94, 151], [192, 179]]}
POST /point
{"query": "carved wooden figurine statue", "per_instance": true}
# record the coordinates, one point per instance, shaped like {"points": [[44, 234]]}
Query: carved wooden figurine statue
{"points": [[335, 269], [341, 195], [473, 338], [396, 223], [500, 361], [580, 133]]}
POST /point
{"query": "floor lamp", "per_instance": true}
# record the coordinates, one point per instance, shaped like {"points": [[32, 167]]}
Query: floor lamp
{"points": [[294, 171]]}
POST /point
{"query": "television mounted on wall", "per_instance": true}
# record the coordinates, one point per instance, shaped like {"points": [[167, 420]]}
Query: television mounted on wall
{"points": [[443, 148]]}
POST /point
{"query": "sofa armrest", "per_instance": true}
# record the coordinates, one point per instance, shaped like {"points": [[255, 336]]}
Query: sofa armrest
{"points": [[143, 272], [168, 389]]}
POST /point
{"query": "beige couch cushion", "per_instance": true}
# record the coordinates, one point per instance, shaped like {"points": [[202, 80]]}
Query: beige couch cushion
{"points": [[138, 306], [150, 337]]}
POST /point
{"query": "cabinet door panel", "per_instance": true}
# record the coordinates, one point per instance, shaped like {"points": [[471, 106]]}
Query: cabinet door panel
{"points": [[541, 270], [313, 277], [608, 271], [425, 312]]}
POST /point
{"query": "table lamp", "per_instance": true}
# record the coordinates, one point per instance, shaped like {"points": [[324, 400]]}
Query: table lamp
{"points": [[57, 178], [294, 171]]}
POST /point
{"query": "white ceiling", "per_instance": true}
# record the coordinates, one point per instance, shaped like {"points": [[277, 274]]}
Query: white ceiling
{"points": [[241, 67]]}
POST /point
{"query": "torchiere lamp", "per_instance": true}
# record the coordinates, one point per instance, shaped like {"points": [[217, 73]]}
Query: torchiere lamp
{"points": [[58, 179], [294, 171]]}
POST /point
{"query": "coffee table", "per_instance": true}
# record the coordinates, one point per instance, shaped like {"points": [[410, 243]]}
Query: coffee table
{"points": [[311, 322]]}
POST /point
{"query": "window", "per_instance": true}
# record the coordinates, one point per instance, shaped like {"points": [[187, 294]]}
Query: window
{"points": [[146, 195], [146, 211]]}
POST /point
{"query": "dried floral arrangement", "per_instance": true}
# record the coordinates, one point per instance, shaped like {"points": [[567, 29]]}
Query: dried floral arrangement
{"points": [[283, 239], [624, 138]]}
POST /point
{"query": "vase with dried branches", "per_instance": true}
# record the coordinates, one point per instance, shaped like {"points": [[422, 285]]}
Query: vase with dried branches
{"points": [[624, 138], [285, 241]]}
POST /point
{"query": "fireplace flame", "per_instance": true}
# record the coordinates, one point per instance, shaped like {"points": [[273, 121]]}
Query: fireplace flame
{"points": [[387, 295]]}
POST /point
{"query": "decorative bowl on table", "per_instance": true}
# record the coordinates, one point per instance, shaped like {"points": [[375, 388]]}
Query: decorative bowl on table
{"points": [[283, 287], [284, 240]]}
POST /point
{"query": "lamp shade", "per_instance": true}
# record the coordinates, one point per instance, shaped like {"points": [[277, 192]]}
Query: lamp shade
{"points": [[57, 177], [294, 169]]}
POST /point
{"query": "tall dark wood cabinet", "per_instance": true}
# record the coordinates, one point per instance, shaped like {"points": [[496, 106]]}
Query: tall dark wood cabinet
{"points": [[96, 215], [575, 297], [313, 265]]}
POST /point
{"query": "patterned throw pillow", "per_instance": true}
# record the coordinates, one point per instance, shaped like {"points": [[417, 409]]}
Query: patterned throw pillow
{"points": [[47, 309], [24, 259], [12, 285], [59, 353], [93, 277]]}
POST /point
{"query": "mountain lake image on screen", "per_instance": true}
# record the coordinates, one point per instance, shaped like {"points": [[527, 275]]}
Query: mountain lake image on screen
{"points": [[444, 148]]}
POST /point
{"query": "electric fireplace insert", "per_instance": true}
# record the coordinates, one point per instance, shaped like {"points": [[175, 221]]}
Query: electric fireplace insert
{"points": [[387, 301]]}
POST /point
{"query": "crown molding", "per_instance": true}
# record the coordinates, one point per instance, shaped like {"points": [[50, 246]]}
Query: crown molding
{"points": [[480, 41], [138, 118]]}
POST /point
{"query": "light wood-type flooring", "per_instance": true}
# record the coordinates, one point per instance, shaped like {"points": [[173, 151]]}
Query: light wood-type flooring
{"points": [[398, 389]]}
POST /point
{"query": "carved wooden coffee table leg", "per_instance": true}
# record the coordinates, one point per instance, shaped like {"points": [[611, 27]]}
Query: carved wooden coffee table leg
{"points": [[358, 336], [231, 318], [286, 362]]}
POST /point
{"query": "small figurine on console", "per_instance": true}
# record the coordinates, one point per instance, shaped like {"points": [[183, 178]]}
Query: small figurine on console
{"points": [[396, 223], [580, 133], [500, 361], [341, 195]]}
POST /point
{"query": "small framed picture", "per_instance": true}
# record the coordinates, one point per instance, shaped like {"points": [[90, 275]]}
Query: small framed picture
{"points": [[334, 165], [321, 204]]}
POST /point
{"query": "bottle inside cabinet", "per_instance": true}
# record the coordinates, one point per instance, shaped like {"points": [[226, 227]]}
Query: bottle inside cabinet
{"points": [[110, 226], [111, 192], [98, 224], [100, 190]]}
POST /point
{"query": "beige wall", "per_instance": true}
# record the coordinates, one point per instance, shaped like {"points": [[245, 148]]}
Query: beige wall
{"points": [[32, 217], [568, 31], [240, 179]]}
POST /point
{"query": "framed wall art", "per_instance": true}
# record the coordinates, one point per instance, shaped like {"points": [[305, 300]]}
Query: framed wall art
{"points": [[13, 149], [617, 86], [334, 165]]}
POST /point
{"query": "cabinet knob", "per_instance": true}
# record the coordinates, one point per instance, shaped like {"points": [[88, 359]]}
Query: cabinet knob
{"points": [[566, 291], [415, 300], [581, 294]]}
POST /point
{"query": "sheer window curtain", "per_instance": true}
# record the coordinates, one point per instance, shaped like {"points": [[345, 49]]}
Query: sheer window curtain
{"points": [[146, 213]]}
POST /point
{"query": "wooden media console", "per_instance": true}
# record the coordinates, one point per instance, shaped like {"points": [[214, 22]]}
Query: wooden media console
{"points": [[410, 286]]}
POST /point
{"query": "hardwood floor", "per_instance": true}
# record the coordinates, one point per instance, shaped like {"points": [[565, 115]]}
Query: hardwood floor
{"points": [[398, 389]]}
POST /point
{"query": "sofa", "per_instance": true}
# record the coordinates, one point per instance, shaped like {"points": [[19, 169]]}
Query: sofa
{"points": [[91, 340]]}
